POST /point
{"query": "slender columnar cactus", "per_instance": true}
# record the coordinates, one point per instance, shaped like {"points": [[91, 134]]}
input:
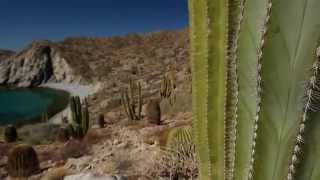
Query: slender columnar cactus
{"points": [[167, 87], [131, 99], [80, 117], [256, 82]]}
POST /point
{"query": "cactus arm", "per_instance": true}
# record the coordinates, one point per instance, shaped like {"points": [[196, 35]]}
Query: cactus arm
{"points": [[208, 42], [85, 120], [78, 109], [286, 60], [124, 103], [198, 49], [129, 106], [140, 101], [73, 109]]}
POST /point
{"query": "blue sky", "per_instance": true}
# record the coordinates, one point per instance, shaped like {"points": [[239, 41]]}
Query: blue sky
{"points": [[22, 21]]}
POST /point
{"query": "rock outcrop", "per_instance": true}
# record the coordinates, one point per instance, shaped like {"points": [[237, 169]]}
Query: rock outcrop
{"points": [[5, 54], [37, 64], [113, 60]]}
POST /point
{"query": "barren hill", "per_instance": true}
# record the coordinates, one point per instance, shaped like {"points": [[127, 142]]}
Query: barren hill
{"points": [[88, 60]]}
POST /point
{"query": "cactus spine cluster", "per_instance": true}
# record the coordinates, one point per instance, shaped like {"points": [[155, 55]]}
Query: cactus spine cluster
{"points": [[131, 99], [22, 161], [255, 86], [167, 87], [80, 117]]}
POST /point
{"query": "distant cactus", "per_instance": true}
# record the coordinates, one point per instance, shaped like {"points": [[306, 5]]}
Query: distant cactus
{"points": [[80, 117], [22, 162], [44, 117], [10, 134], [101, 121], [167, 87], [64, 119], [153, 112], [63, 134], [132, 101]]}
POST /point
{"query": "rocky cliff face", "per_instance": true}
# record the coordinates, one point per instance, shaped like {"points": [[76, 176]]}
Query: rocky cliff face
{"points": [[5, 54], [37, 64]]}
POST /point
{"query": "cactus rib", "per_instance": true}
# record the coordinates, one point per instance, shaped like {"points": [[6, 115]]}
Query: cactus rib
{"points": [[236, 9], [259, 85]]}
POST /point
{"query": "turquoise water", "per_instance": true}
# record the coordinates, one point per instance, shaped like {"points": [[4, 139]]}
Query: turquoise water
{"points": [[22, 106]]}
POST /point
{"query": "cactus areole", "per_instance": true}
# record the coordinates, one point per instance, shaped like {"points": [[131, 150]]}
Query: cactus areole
{"points": [[255, 88]]}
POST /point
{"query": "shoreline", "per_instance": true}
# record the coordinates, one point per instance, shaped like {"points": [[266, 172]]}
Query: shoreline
{"points": [[75, 90]]}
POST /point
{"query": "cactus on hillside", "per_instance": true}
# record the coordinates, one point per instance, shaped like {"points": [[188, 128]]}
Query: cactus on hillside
{"points": [[131, 99], [167, 87], [10, 134], [22, 161], [79, 116], [253, 118]]}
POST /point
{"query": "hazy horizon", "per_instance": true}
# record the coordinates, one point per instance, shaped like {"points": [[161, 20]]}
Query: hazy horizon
{"points": [[25, 21]]}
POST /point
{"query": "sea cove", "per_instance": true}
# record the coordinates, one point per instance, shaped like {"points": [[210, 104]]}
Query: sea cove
{"points": [[23, 106]]}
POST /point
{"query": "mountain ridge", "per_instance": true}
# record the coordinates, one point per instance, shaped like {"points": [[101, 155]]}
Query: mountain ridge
{"points": [[87, 60]]}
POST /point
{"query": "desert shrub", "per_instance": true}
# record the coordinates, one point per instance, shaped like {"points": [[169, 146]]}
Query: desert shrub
{"points": [[56, 174], [63, 135], [153, 112], [93, 137], [74, 149], [23, 161], [183, 101], [39, 133]]}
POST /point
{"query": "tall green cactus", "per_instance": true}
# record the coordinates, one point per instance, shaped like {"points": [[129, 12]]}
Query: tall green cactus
{"points": [[131, 99], [256, 88], [80, 117]]}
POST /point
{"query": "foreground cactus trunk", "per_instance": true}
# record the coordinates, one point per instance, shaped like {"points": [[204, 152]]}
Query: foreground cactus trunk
{"points": [[256, 82]]}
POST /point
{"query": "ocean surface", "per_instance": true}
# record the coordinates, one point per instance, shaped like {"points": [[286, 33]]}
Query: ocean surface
{"points": [[23, 106]]}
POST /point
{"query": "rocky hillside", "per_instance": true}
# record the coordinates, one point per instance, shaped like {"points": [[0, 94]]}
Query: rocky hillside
{"points": [[91, 60], [123, 147], [5, 54]]}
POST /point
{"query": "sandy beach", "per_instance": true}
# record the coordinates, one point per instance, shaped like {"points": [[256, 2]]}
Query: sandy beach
{"points": [[75, 90]]}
